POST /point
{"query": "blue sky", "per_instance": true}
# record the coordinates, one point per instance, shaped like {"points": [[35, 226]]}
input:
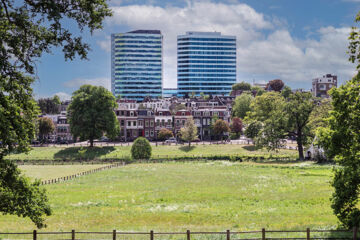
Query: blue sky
{"points": [[288, 39]]}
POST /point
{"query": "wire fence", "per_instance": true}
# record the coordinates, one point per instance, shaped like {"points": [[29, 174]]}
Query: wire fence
{"points": [[262, 234]]}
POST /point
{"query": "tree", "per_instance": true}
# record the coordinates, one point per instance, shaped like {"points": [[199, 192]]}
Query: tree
{"points": [[275, 85], [236, 126], [189, 131], [242, 105], [46, 126], [141, 149], [241, 86], [286, 92], [281, 119], [221, 127], [27, 30], [165, 134], [320, 114], [91, 113], [252, 130], [49, 105], [257, 91]]}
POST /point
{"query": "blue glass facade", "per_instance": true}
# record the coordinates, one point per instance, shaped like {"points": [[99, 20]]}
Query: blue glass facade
{"points": [[206, 63], [136, 64]]}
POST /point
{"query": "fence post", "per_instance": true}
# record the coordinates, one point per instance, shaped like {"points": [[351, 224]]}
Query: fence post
{"points": [[227, 234], [114, 234], [355, 229], [73, 234], [263, 234], [308, 234], [188, 234], [34, 235], [151, 235]]}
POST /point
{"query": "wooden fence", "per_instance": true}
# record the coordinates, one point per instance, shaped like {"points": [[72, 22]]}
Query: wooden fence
{"points": [[188, 235], [66, 178]]}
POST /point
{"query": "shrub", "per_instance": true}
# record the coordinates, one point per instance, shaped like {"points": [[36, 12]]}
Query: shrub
{"points": [[141, 149], [164, 134]]}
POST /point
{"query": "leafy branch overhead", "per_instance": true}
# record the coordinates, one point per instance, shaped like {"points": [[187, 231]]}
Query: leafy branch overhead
{"points": [[28, 29]]}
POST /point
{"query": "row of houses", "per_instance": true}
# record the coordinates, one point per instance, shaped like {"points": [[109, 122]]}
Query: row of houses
{"points": [[147, 118]]}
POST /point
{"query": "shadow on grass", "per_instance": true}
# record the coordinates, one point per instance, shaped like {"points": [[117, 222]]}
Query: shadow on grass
{"points": [[251, 148], [187, 148], [82, 153]]}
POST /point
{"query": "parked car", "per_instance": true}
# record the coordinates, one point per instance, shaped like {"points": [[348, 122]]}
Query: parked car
{"points": [[171, 140]]}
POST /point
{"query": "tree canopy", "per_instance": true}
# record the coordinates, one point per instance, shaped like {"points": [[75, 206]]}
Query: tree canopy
{"points": [[242, 105], [46, 126], [91, 113], [27, 30], [236, 126], [189, 131], [275, 85], [164, 134], [221, 127], [241, 86], [49, 105]]}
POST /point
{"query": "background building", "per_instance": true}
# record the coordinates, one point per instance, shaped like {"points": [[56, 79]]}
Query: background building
{"points": [[136, 64], [169, 92], [206, 63], [321, 86]]}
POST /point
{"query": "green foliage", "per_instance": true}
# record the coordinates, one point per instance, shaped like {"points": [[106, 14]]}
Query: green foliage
{"points": [[320, 114], [49, 105], [27, 30], [46, 126], [20, 197], [253, 129], [91, 113], [286, 92], [164, 134], [280, 119], [242, 105], [354, 46], [259, 90], [221, 127], [241, 86], [341, 140], [275, 85], [189, 131], [141, 149]]}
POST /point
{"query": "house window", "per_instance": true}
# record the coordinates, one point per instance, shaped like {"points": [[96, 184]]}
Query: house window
{"points": [[177, 122], [151, 133], [204, 121], [157, 122], [163, 122], [129, 123], [183, 122], [169, 122], [151, 123], [140, 123], [146, 123], [131, 113], [122, 122], [146, 133], [182, 114], [134, 123], [160, 114]]}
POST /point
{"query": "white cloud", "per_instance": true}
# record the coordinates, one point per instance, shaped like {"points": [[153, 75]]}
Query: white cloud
{"points": [[77, 82], [105, 44], [63, 96], [272, 52]]}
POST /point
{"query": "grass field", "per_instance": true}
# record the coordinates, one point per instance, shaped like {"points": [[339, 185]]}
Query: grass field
{"points": [[46, 172], [55, 153], [192, 195]]}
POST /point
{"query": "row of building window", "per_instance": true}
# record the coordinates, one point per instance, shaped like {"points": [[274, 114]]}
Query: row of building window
{"points": [[137, 37], [206, 75], [208, 39], [137, 55], [137, 46], [207, 48], [136, 74], [136, 51], [206, 70], [207, 66], [136, 41], [139, 78], [132, 60], [205, 80], [137, 65], [206, 61], [206, 53], [206, 57], [137, 69], [205, 84], [206, 44]]}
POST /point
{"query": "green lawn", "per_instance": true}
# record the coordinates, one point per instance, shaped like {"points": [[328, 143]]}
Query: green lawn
{"points": [[45, 172], [173, 196], [55, 153]]}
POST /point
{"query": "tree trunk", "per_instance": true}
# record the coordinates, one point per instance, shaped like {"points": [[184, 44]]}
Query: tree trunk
{"points": [[189, 144], [300, 145], [91, 142]]}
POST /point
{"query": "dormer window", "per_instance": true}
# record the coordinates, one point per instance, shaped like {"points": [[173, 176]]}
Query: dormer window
{"points": [[182, 114]]}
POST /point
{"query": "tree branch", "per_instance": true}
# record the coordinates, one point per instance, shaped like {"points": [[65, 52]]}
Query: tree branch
{"points": [[6, 11]]}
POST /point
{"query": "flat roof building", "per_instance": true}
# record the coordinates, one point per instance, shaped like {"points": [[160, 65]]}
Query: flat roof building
{"points": [[206, 63], [136, 64]]}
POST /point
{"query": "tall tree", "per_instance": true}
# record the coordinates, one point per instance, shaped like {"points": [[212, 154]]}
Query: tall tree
{"points": [[341, 140], [91, 113], [28, 29], [275, 85], [320, 114], [286, 92], [164, 134], [281, 119], [189, 131], [46, 126], [49, 105], [242, 105]]}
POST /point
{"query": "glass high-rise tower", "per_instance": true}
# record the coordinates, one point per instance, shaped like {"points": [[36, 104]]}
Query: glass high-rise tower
{"points": [[136, 64], [206, 63]]}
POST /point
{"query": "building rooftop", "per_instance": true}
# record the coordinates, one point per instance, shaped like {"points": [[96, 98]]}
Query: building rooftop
{"points": [[146, 31]]}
